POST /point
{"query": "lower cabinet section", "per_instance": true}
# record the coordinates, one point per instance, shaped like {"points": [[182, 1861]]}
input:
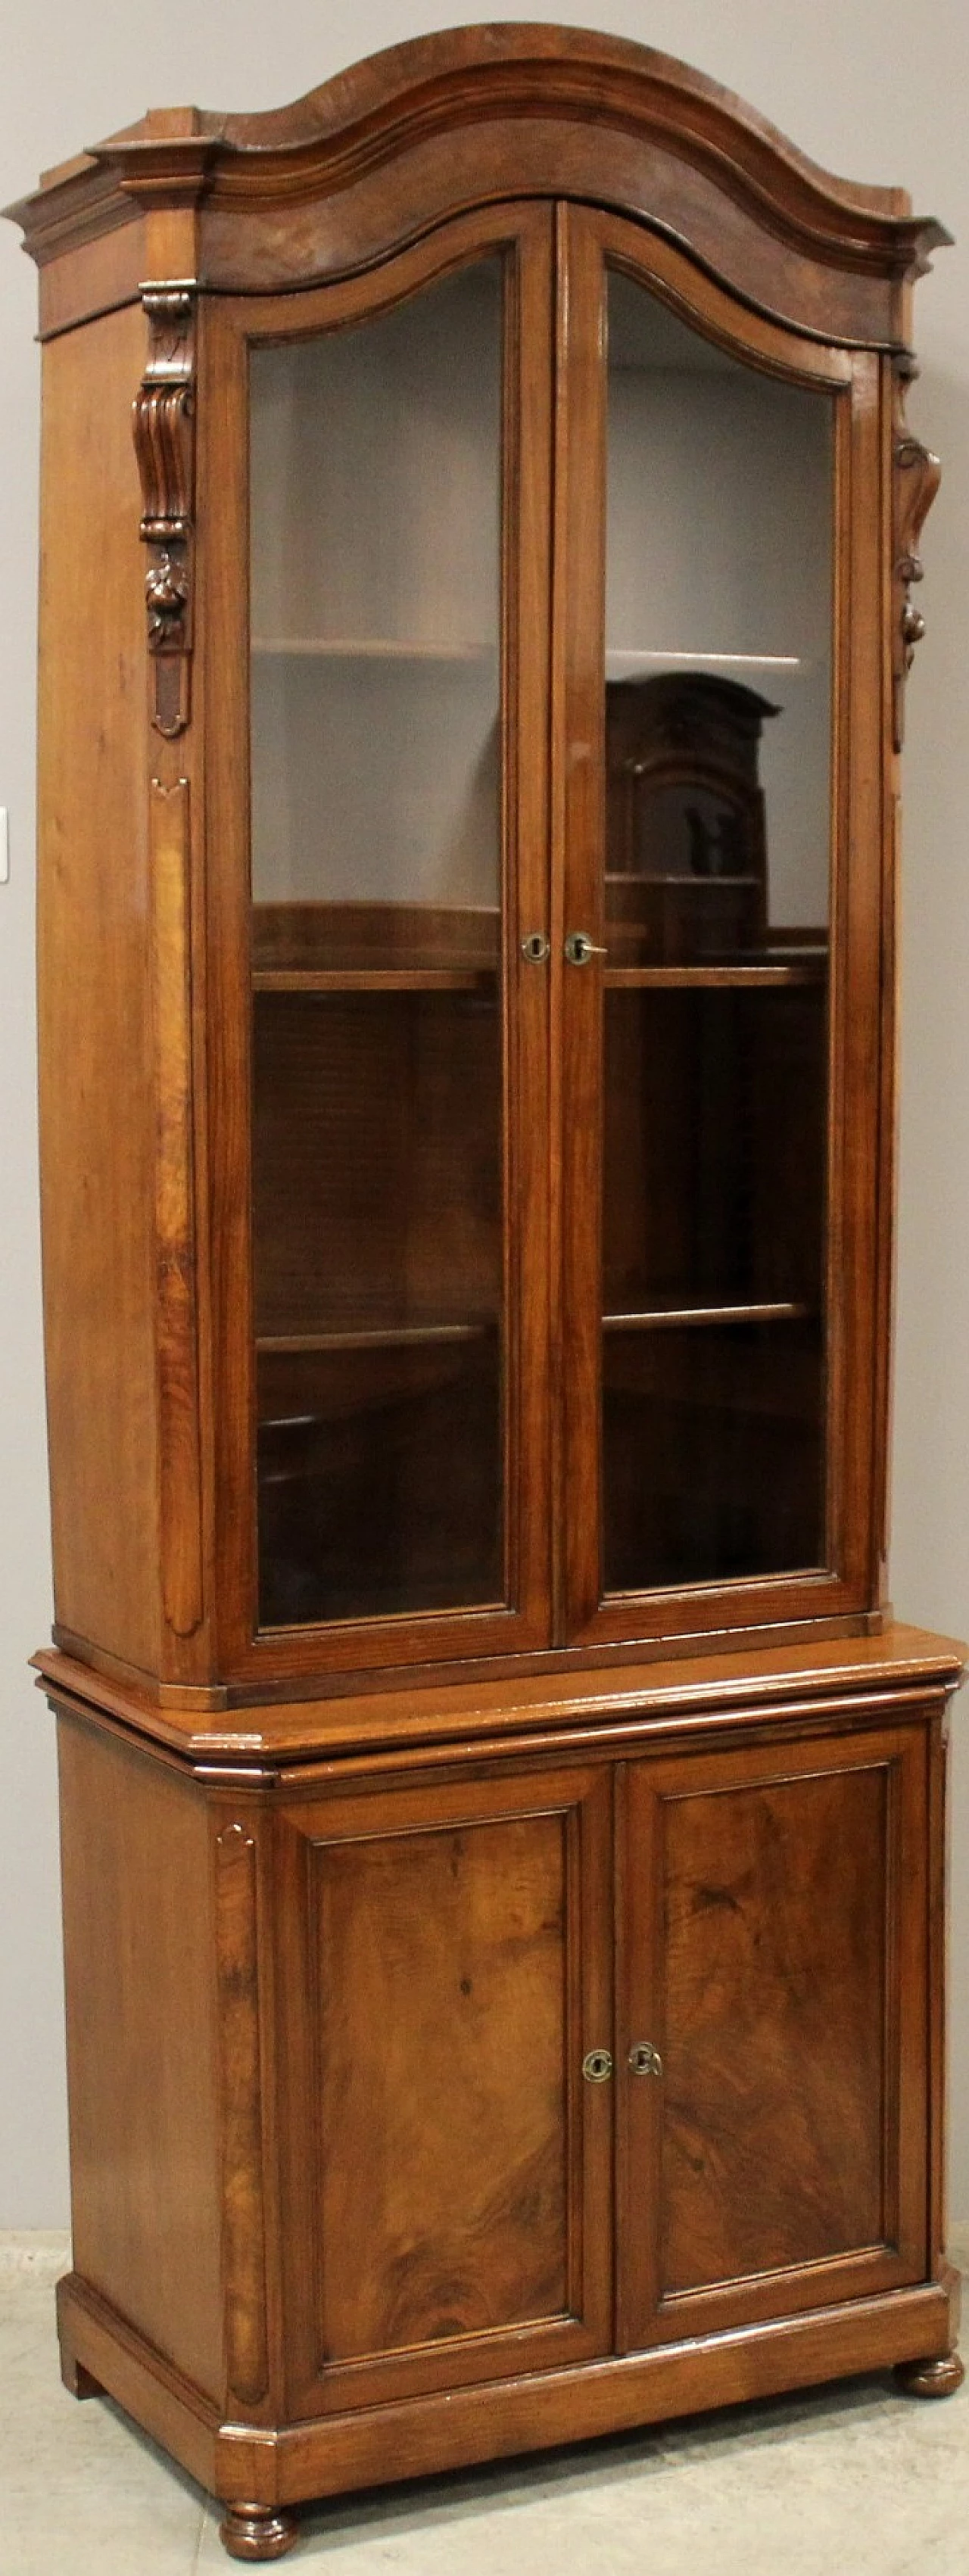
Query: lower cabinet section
{"points": [[500, 2100]]}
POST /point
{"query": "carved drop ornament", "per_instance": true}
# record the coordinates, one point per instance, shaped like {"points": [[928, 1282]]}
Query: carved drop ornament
{"points": [[164, 435]]}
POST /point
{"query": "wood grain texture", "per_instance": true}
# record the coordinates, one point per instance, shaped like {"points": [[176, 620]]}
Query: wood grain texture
{"points": [[444, 120], [778, 1956], [138, 1935], [381, 2444], [447, 1965], [243, 2223], [836, 1677], [348, 1903], [179, 1437], [97, 1146]]}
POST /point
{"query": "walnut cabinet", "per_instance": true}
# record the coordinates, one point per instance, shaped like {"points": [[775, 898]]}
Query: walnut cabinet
{"points": [[503, 1823]]}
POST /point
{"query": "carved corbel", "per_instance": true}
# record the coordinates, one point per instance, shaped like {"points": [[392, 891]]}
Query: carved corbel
{"points": [[916, 478], [164, 435]]}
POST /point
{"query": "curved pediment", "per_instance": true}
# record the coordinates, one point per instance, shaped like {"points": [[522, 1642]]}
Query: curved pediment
{"points": [[430, 128]]}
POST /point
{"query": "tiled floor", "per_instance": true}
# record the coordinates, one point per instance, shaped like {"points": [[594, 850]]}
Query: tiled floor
{"points": [[854, 2477]]}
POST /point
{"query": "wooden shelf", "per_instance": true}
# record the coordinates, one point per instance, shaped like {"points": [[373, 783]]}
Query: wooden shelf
{"points": [[373, 979], [371, 1337], [657, 1319], [803, 970], [367, 648]]}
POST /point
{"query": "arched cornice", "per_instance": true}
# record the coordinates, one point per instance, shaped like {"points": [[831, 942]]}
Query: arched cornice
{"points": [[430, 127]]}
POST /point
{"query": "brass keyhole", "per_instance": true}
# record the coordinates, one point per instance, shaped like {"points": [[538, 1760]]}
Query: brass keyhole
{"points": [[597, 2066], [644, 2059]]}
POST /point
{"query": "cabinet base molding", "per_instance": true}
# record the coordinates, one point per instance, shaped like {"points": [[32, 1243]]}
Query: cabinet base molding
{"points": [[278, 2466]]}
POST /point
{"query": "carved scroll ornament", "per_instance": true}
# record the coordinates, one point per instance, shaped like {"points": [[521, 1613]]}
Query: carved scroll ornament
{"points": [[164, 435], [917, 475]]}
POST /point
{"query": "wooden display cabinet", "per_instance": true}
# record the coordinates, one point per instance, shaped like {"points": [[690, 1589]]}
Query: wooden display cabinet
{"points": [[503, 1824]]}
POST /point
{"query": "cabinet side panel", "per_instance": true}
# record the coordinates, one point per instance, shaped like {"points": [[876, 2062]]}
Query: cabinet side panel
{"points": [[94, 997], [139, 1958]]}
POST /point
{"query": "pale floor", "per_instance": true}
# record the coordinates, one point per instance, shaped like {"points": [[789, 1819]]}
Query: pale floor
{"points": [[851, 2477]]}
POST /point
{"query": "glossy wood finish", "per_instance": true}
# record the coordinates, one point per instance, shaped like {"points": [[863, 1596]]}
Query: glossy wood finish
{"points": [[144, 2090], [510, 2022], [931, 2378], [448, 1964], [416, 2266], [622, 1703], [94, 1001], [518, 1588], [253, 2531], [439, 123], [191, 1385], [777, 1950]]}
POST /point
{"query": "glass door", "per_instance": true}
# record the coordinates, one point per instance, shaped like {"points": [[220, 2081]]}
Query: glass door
{"points": [[696, 974], [398, 861]]}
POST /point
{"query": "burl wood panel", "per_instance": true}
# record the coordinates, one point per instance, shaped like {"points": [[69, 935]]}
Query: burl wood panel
{"points": [[774, 1914], [790, 1947], [141, 2037], [434, 2017], [96, 1110], [440, 1967]]}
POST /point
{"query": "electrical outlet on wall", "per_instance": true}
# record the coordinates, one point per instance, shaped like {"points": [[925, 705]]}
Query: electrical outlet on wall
{"points": [[4, 845]]}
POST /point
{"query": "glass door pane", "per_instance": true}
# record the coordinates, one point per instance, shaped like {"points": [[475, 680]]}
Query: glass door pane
{"points": [[718, 800], [376, 465]]}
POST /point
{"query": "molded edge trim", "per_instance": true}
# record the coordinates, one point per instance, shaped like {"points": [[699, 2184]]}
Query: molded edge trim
{"points": [[608, 1707], [416, 2436], [382, 107]]}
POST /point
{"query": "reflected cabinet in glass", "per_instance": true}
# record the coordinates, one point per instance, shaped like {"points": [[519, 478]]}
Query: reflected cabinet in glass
{"points": [[376, 725], [717, 863]]}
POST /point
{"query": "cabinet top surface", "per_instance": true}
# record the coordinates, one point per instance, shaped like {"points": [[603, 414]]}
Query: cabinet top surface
{"points": [[527, 93], [684, 1693]]}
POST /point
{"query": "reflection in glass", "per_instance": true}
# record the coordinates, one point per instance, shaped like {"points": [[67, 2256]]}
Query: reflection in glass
{"points": [[718, 696], [377, 1102]]}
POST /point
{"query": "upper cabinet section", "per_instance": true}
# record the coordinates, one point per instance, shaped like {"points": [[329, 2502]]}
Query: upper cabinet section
{"points": [[512, 566], [362, 166]]}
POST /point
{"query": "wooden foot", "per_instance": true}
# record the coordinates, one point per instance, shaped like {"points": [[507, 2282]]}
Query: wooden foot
{"points": [[76, 2379], [931, 2378], [257, 2531]]}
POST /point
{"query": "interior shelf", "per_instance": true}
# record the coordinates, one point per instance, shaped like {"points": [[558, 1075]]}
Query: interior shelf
{"points": [[373, 979], [374, 1337], [370, 648], [808, 969], [654, 1319]]}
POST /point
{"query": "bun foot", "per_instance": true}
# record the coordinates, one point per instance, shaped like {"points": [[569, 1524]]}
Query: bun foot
{"points": [[257, 2531], [931, 2378]]}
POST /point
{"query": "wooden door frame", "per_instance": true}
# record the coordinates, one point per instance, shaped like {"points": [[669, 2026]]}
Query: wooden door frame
{"points": [[588, 241], [523, 232]]}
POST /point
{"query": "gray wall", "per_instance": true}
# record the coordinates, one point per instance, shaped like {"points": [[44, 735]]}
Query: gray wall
{"points": [[869, 87]]}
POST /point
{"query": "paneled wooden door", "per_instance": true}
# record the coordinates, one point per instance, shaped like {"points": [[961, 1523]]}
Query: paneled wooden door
{"points": [[444, 1970], [773, 2110]]}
